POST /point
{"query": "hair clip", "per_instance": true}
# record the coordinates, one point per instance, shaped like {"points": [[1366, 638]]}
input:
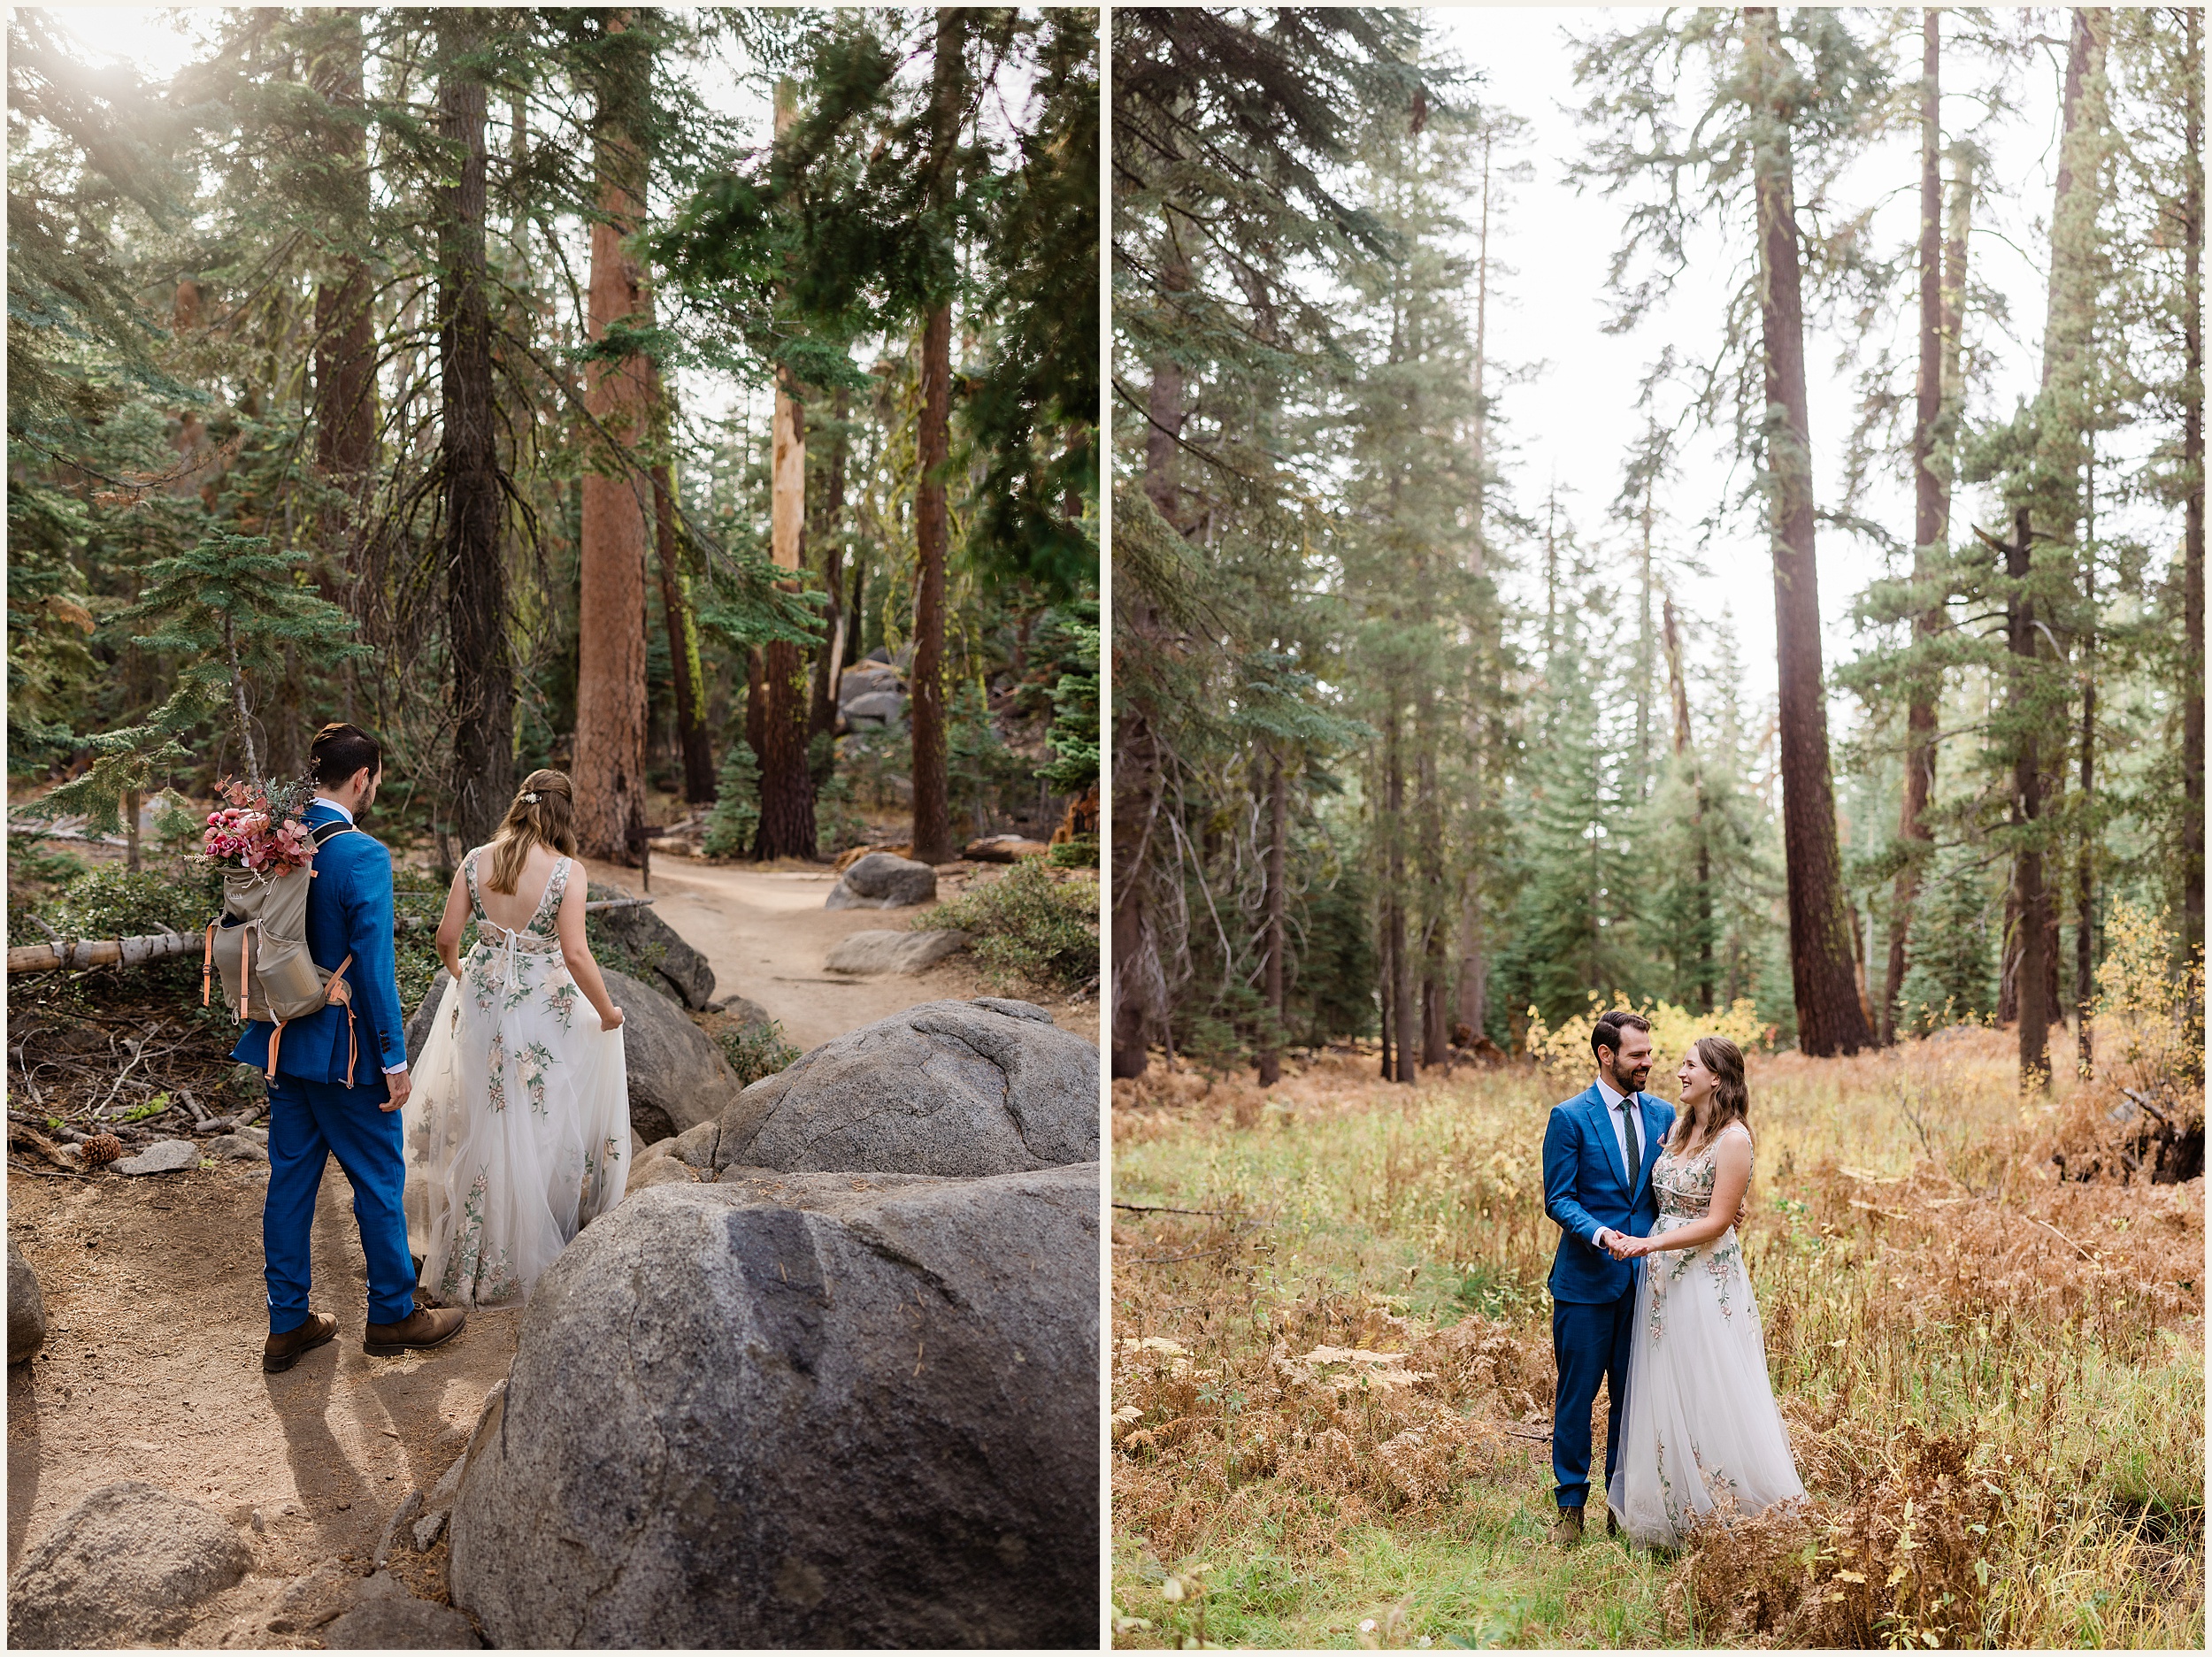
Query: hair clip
{"points": [[530, 799]]}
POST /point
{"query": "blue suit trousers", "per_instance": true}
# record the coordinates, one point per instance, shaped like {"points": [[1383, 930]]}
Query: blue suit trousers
{"points": [[309, 1122], [1590, 1342]]}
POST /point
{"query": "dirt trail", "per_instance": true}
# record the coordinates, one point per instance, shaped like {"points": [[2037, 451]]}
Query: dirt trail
{"points": [[156, 1310], [765, 934], [151, 1370]]}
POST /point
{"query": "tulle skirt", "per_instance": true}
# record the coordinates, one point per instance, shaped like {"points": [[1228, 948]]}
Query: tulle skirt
{"points": [[518, 1128], [1700, 1432]]}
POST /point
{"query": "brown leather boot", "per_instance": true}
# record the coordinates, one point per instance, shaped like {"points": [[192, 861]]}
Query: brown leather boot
{"points": [[425, 1326], [1568, 1531], [279, 1353]]}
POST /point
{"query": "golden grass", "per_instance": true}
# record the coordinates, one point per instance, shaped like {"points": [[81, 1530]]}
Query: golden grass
{"points": [[1333, 1383]]}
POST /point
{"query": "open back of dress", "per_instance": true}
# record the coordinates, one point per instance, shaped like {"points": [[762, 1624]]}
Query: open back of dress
{"points": [[518, 1130]]}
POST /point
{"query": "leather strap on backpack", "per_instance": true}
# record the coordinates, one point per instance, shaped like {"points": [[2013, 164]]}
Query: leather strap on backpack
{"points": [[339, 993]]}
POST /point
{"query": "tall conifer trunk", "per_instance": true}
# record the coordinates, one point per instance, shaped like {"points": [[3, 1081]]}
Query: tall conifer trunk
{"points": [[1685, 752], [1270, 1054], [475, 572], [786, 784], [692, 739], [345, 329], [1473, 966], [2086, 853], [830, 660], [1931, 512], [2032, 897], [1140, 837], [2192, 466], [1829, 1019], [933, 806], [1399, 1064], [610, 693]]}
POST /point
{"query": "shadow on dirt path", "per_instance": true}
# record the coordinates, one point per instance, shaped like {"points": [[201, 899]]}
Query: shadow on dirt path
{"points": [[152, 1368]]}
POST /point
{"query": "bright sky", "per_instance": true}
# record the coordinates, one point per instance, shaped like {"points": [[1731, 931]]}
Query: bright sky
{"points": [[1576, 420]]}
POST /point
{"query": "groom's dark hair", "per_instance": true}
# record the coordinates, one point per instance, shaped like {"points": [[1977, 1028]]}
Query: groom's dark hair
{"points": [[1607, 1031], [340, 750]]}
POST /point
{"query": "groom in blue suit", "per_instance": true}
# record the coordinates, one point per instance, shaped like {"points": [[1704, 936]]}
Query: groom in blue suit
{"points": [[1598, 1151], [338, 1076]]}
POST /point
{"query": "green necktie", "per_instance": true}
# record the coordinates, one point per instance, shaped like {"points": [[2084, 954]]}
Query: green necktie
{"points": [[1635, 1147]]}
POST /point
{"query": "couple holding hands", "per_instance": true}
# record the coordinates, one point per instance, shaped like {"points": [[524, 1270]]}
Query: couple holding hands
{"points": [[1691, 1426]]}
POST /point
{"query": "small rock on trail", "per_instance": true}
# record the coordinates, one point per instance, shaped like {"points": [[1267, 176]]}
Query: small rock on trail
{"points": [[894, 952], [124, 1567], [881, 881], [27, 1307], [163, 1156]]}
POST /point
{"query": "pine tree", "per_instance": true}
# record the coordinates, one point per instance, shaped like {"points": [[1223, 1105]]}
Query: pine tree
{"points": [[1779, 100]]}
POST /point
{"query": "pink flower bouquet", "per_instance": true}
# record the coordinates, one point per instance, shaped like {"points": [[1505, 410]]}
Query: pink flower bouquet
{"points": [[258, 829]]}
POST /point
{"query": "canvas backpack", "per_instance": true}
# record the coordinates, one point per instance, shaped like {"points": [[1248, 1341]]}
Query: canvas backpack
{"points": [[259, 945]]}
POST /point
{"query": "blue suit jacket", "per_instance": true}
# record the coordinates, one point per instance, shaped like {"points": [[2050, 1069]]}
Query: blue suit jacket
{"points": [[1585, 1187], [348, 913]]}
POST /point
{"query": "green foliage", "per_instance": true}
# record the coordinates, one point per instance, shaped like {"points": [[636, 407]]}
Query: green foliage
{"points": [[756, 1050], [1073, 734], [736, 814], [1028, 927], [1080, 852], [837, 822], [1952, 977]]}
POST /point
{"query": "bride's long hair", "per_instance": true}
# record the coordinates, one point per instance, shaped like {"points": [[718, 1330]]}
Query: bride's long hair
{"points": [[1730, 1100], [539, 817]]}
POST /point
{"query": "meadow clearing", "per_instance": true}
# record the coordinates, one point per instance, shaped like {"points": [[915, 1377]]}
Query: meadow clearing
{"points": [[1332, 1373]]}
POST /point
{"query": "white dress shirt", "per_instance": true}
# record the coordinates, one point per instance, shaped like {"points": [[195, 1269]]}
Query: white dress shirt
{"points": [[339, 806], [1625, 1123]]}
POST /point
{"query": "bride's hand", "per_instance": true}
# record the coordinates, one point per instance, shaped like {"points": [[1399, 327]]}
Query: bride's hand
{"points": [[607, 1025]]}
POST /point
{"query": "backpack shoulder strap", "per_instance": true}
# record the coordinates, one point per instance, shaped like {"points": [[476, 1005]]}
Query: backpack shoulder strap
{"points": [[323, 832]]}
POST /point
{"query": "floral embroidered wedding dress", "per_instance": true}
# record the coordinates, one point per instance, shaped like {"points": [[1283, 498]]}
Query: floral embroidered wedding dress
{"points": [[1701, 1431], [517, 1129]]}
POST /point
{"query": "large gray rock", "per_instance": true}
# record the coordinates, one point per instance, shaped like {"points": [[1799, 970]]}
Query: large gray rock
{"points": [[397, 1623], [124, 1567], [985, 1087], [27, 1307], [882, 880], [822, 1410], [163, 1156], [870, 678], [678, 1077], [863, 953], [878, 709], [653, 943]]}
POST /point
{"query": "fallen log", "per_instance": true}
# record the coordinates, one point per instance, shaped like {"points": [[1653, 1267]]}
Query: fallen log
{"points": [[137, 952]]}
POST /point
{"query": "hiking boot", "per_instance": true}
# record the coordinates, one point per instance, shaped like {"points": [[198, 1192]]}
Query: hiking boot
{"points": [[1568, 1531], [422, 1327], [1612, 1525], [279, 1353]]}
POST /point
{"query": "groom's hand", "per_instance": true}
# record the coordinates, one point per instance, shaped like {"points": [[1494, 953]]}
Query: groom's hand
{"points": [[396, 1080]]}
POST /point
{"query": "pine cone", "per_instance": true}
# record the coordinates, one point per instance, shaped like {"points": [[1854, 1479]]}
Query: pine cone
{"points": [[101, 1149]]}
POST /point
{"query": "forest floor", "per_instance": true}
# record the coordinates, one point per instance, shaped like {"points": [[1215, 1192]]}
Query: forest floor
{"points": [[151, 1370], [765, 933], [156, 1305], [1334, 1380]]}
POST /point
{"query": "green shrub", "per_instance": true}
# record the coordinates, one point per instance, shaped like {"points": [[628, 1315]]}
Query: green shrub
{"points": [[756, 1050], [1080, 852], [736, 813], [1028, 927]]}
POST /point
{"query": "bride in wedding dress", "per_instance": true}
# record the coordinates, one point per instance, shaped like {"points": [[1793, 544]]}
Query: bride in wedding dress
{"points": [[517, 1129], [1702, 1431]]}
